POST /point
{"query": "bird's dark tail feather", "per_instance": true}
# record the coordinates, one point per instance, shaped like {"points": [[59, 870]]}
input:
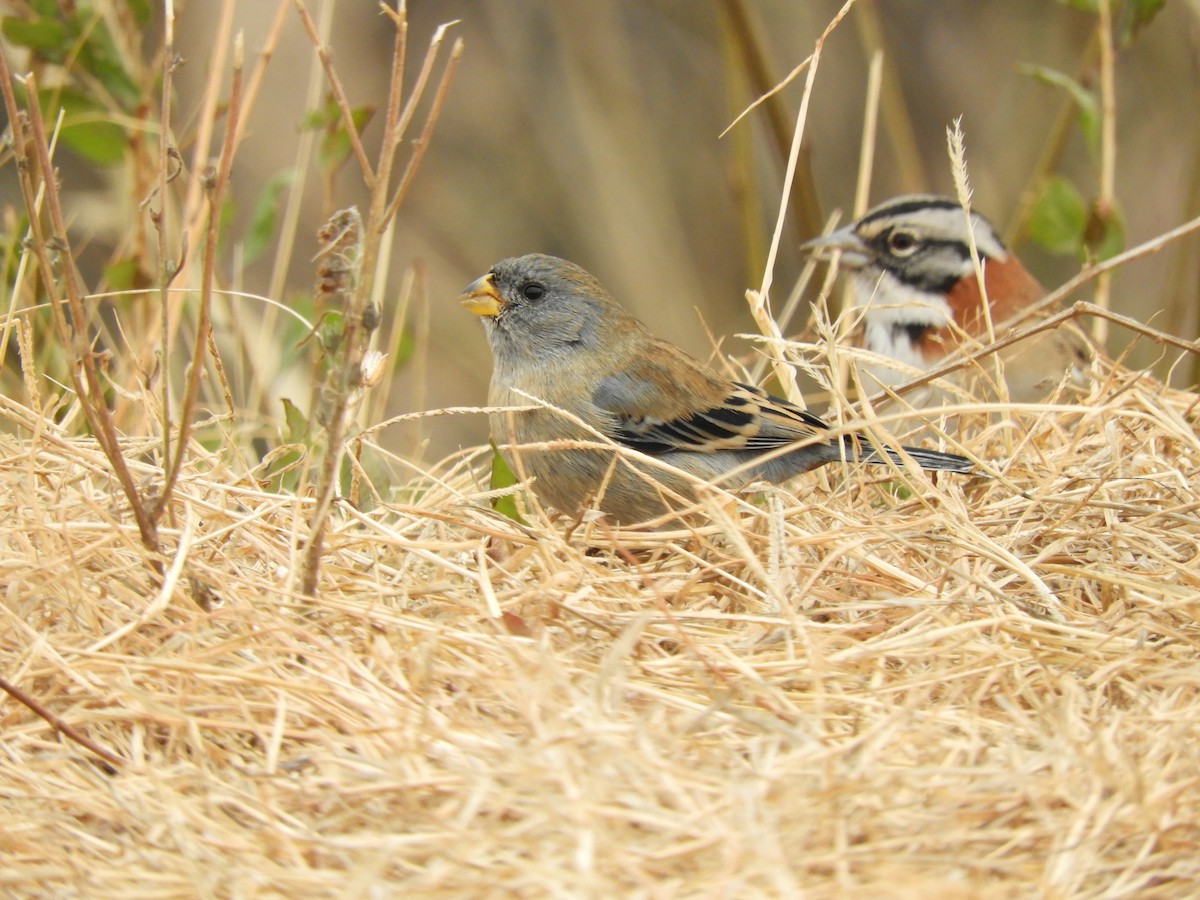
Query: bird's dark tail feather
{"points": [[926, 459], [857, 446]]}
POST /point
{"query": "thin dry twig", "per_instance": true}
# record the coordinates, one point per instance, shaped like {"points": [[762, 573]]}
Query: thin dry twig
{"points": [[168, 168], [340, 279], [344, 384], [1106, 198], [75, 333], [68, 731], [422, 142], [339, 95], [203, 345], [758, 300], [752, 51], [898, 122]]}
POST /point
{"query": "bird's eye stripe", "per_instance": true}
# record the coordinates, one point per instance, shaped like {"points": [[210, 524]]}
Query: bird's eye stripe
{"points": [[915, 331], [962, 248], [932, 281]]}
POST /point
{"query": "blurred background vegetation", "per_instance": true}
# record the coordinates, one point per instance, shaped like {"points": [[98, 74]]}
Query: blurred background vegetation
{"points": [[591, 130]]}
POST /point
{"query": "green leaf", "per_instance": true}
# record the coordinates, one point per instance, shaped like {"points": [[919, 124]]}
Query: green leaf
{"points": [[1085, 101], [264, 218], [295, 424], [1135, 15], [1057, 218], [503, 477], [335, 142], [87, 130], [80, 34], [329, 332], [1104, 233], [304, 304], [99, 57], [44, 36], [282, 467], [1129, 16], [140, 9], [121, 274], [404, 349]]}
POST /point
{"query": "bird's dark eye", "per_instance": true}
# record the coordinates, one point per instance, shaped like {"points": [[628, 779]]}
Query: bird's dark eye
{"points": [[902, 243], [531, 290]]}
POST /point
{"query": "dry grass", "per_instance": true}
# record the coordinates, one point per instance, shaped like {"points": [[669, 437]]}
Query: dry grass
{"points": [[985, 687], [864, 683]]}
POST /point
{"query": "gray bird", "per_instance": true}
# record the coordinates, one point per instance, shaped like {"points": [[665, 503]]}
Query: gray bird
{"points": [[594, 374]]}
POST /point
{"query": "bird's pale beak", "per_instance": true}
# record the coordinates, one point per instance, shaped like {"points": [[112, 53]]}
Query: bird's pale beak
{"points": [[855, 254], [482, 298]]}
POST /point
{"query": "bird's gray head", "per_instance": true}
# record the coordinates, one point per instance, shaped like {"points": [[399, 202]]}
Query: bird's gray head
{"points": [[539, 306], [918, 242]]}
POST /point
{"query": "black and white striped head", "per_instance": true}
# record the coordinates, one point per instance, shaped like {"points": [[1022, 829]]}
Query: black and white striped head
{"points": [[910, 252]]}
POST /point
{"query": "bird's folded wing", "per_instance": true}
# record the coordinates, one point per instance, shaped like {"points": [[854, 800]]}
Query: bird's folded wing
{"points": [[714, 416]]}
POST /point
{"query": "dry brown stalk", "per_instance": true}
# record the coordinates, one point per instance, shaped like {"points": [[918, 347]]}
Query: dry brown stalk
{"points": [[218, 183], [63, 728], [344, 387], [73, 333], [169, 165]]}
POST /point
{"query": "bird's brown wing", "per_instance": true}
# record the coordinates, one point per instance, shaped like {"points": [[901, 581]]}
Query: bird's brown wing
{"points": [[656, 413]]}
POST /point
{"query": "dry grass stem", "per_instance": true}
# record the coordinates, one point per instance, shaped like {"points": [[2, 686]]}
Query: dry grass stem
{"points": [[971, 665], [75, 332], [753, 55], [203, 345], [1105, 207], [870, 681], [339, 95], [360, 253], [759, 300], [956, 146]]}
